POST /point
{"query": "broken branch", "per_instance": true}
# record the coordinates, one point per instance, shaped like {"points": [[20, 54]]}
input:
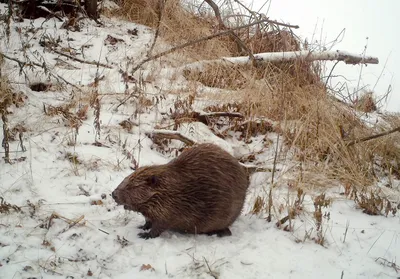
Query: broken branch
{"points": [[364, 139], [171, 135]]}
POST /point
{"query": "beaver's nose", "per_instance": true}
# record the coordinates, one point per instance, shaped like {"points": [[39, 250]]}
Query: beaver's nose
{"points": [[113, 195]]}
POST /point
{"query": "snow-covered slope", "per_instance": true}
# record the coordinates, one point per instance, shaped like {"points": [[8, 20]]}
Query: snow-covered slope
{"points": [[68, 225]]}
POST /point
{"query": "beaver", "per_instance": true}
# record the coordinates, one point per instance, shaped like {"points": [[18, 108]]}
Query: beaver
{"points": [[202, 191]]}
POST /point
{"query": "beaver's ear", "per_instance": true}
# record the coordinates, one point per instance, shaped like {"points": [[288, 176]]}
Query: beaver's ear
{"points": [[152, 180]]}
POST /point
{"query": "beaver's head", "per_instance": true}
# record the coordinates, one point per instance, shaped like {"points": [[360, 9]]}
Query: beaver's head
{"points": [[136, 191]]}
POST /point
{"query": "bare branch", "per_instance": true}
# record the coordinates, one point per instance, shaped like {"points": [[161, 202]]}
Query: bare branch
{"points": [[364, 139], [171, 135]]}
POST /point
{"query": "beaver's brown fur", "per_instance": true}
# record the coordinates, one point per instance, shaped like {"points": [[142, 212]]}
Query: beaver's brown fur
{"points": [[201, 191]]}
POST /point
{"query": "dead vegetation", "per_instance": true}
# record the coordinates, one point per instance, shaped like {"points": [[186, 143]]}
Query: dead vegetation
{"points": [[174, 25], [5, 207], [287, 98], [292, 94]]}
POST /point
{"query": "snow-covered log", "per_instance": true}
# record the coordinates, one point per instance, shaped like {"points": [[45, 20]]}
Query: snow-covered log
{"points": [[348, 58]]}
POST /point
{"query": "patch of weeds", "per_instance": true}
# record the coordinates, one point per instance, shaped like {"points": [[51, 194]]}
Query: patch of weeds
{"points": [[32, 208], [387, 263], [258, 205], [73, 121], [320, 202], [8, 98], [95, 104], [372, 203], [253, 128], [128, 154], [18, 130], [5, 207], [183, 111], [293, 211], [73, 158], [122, 241]]}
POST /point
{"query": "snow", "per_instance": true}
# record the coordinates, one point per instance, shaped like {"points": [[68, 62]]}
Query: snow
{"points": [[92, 237]]}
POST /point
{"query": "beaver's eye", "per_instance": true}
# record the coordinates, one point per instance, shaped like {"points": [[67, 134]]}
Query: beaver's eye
{"points": [[152, 180]]}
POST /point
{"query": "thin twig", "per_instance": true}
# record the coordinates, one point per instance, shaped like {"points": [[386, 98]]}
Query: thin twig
{"points": [[330, 73], [80, 60], [212, 273]]}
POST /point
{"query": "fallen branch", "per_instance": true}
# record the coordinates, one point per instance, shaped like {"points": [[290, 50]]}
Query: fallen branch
{"points": [[223, 33], [364, 139], [167, 134], [203, 117], [80, 60], [222, 114], [306, 55]]}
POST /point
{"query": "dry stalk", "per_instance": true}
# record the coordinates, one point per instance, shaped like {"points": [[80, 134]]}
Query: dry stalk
{"points": [[95, 104], [5, 143], [270, 203]]}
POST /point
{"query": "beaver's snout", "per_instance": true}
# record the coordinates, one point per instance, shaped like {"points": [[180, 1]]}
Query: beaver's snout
{"points": [[114, 196]]}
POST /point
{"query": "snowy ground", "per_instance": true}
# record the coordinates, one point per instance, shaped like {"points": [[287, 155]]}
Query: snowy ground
{"points": [[91, 237]]}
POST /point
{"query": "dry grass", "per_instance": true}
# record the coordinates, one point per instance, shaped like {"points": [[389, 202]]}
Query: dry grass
{"points": [[177, 26]]}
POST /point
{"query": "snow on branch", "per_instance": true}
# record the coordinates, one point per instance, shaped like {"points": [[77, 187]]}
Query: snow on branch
{"points": [[348, 58]]}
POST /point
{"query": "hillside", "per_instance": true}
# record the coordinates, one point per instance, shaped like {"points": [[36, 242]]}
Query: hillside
{"points": [[79, 115]]}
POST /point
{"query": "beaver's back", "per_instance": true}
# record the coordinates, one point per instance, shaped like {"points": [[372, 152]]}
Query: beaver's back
{"points": [[211, 188]]}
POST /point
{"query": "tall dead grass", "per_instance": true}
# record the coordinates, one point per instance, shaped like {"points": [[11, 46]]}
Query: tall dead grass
{"points": [[177, 26]]}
